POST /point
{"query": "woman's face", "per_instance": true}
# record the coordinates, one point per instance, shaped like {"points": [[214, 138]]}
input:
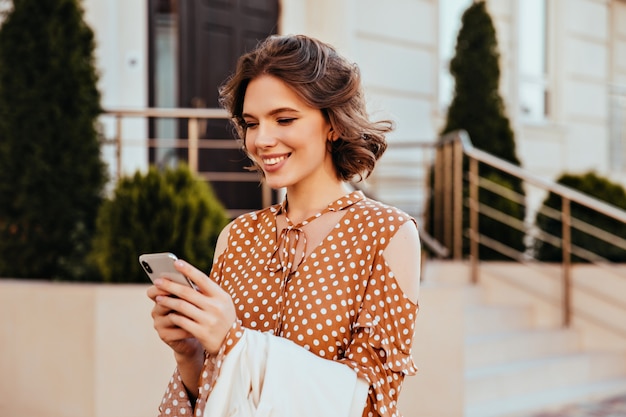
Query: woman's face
{"points": [[285, 136]]}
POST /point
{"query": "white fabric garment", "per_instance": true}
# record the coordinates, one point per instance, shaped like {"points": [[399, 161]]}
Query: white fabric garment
{"points": [[268, 376]]}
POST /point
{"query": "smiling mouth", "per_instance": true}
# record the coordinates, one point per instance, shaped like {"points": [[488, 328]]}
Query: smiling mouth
{"points": [[275, 160]]}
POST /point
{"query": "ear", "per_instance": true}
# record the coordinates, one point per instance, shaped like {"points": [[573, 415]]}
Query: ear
{"points": [[331, 136]]}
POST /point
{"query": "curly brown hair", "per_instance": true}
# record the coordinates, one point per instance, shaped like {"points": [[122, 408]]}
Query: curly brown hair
{"points": [[324, 80]]}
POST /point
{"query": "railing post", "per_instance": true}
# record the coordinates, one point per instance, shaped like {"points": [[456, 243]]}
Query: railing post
{"points": [[457, 204], [447, 194], [566, 265], [192, 150], [118, 146], [438, 194], [473, 226]]}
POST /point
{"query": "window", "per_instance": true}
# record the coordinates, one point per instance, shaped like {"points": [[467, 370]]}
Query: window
{"points": [[450, 13], [533, 62], [164, 77]]}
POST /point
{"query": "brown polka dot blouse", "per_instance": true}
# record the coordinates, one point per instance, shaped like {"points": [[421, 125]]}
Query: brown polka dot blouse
{"points": [[340, 300]]}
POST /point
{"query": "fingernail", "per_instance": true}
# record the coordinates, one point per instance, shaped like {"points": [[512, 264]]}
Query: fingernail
{"points": [[158, 282], [180, 263]]}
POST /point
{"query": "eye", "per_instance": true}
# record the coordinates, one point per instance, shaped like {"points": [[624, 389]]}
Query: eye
{"points": [[285, 120], [246, 125]]}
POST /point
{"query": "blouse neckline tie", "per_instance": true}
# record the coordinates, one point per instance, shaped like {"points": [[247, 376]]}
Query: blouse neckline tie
{"points": [[284, 257]]}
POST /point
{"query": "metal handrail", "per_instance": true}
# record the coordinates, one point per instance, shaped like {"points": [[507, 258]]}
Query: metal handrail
{"points": [[570, 194], [192, 143], [193, 115], [459, 141]]}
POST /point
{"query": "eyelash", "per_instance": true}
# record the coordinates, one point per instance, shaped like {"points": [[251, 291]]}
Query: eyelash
{"points": [[250, 125]]}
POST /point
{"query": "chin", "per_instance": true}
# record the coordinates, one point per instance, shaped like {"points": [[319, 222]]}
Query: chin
{"points": [[274, 184]]}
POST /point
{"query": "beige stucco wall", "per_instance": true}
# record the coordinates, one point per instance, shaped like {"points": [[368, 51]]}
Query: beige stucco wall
{"points": [[438, 389], [79, 351], [90, 351]]}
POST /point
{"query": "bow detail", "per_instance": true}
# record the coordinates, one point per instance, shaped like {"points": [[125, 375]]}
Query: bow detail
{"points": [[292, 238], [284, 257]]}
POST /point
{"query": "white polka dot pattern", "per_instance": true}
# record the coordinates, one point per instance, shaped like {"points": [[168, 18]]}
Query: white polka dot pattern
{"points": [[342, 302]]}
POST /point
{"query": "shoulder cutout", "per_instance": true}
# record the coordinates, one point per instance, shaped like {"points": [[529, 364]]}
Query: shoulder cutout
{"points": [[222, 242], [403, 255]]}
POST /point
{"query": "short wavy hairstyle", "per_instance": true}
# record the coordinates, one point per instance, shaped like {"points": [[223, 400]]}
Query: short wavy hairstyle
{"points": [[324, 80]]}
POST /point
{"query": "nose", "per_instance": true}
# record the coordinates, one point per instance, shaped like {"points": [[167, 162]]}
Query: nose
{"points": [[264, 136]]}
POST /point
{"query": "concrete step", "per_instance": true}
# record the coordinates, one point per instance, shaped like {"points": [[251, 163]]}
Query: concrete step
{"points": [[547, 400], [473, 295], [499, 348], [518, 363], [498, 382], [487, 319]]}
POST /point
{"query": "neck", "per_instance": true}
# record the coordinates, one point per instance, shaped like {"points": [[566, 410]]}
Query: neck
{"points": [[303, 204]]}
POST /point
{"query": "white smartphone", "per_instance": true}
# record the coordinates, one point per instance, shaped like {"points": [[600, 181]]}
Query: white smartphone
{"points": [[157, 265]]}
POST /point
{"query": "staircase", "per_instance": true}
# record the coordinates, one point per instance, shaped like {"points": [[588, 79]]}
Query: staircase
{"points": [[514, 367]]}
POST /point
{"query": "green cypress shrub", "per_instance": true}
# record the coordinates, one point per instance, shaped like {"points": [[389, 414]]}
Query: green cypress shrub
{"points": [[170, 211], [596, 186], [51, 172], [478, 109]]}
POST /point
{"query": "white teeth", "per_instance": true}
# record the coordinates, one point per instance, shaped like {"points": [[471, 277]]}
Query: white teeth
{"points": [[274, 161]]}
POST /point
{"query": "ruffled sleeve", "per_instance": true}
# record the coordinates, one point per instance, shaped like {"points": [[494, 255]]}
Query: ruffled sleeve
{"points": [[380, 351], [176, 400]]}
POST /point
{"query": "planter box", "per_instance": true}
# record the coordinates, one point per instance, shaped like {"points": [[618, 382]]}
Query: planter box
{"points": [[88, 350], [79, 350]]}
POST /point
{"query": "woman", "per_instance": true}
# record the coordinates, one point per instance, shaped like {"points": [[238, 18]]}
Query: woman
{"points": [[329, 269]]}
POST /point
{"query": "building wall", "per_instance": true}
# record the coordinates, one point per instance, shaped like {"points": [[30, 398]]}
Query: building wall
{"points": [[586, 45], [585, 77], [121, 33], [617, 12], [617, 67], [396, 44], [583, 39]]}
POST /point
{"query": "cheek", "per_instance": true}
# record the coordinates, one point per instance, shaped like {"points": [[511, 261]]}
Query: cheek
{"points": [[248, 143]]}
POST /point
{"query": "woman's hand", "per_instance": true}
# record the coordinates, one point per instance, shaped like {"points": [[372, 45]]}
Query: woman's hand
{"points": [[182, 342], [201, 316]]}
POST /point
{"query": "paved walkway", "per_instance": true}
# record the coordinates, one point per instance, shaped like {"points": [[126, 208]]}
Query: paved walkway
{"points": [[612, 407]]}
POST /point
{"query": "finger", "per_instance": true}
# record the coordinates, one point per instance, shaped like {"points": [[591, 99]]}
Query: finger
{"points": [[160, 311], [191, 318], [187, 325], [169, 287], [153, 292], [188, 302], [180, 306], [172, 333], [202, 281], [167, 328]]}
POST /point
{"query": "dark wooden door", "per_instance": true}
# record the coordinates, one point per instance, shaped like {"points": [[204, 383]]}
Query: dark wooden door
{"points": [[213, 34]]}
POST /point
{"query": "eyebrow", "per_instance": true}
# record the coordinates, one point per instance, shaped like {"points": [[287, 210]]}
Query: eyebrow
{"points": [[274, 111]]}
